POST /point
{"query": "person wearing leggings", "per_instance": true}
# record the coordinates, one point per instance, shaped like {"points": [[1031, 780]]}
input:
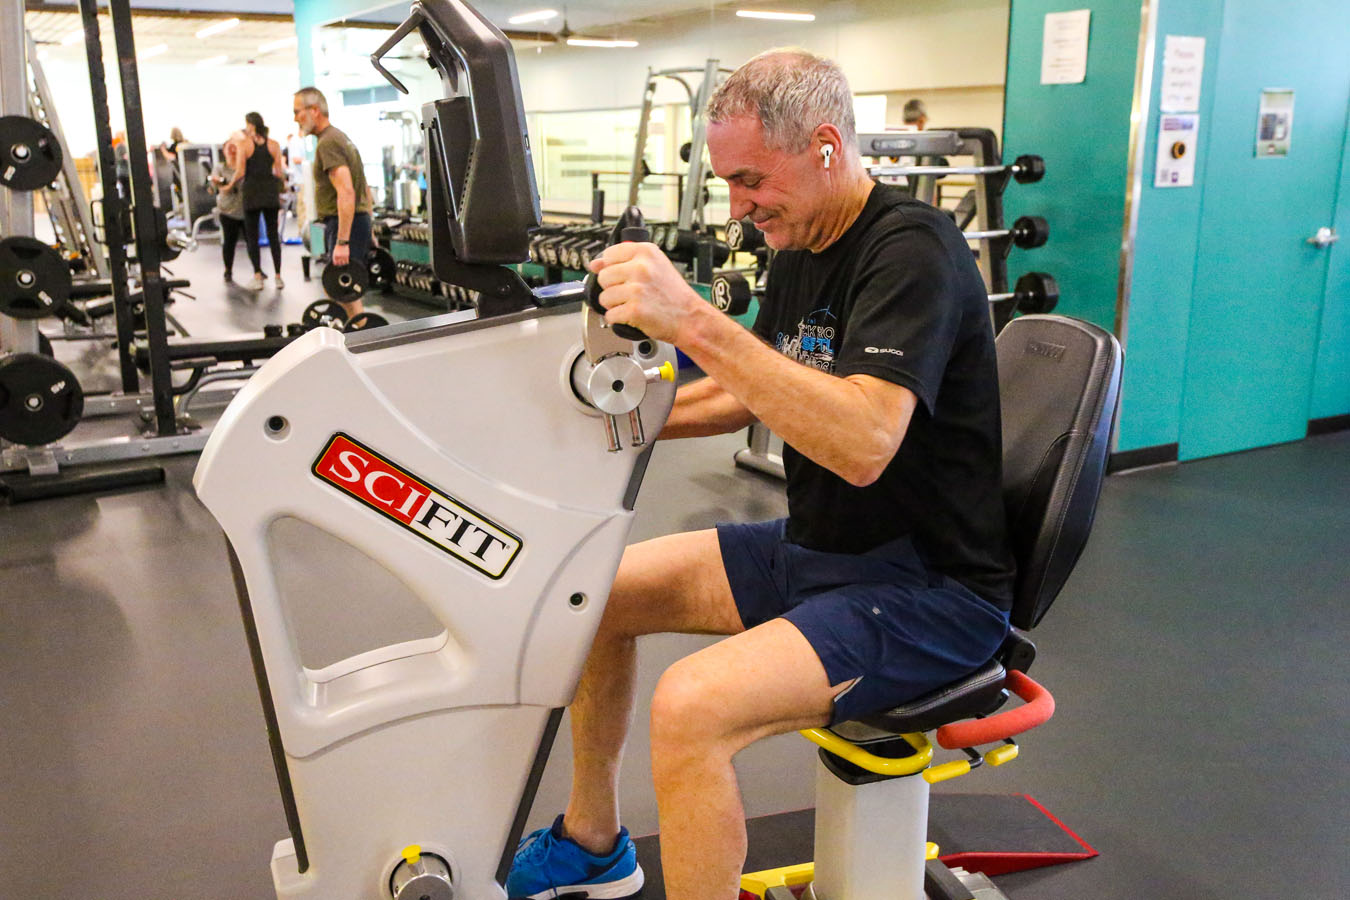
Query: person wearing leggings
{"points": [[229, 205], [263, 177]]}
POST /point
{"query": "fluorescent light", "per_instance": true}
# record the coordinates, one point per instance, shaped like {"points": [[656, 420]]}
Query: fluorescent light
{"points": [[784, 16], [217, 28], [591, 42], [276, 45], [153, 51], [213, 61], [538, 15], [73, 38]]}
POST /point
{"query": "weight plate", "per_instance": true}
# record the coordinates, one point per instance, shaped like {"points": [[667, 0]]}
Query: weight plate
{"points": [[363, 320], [735, 233], [40, 399], [34, 279], [324, 313], [380, 267], [30, 155], [347, 282]]}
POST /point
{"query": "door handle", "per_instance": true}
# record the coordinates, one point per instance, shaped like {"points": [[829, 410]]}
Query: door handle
{"points": [[1325, 237]]}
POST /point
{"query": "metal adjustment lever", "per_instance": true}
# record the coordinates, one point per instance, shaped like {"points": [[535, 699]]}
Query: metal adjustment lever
{"points": [[421, 876], [1325, 237]]}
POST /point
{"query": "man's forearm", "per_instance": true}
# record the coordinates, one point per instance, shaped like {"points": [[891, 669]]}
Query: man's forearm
{"points": [[829, 419], [346, 207], [702, 408]]}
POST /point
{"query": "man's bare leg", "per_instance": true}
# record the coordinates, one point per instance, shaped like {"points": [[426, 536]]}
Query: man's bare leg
{"points": [[707, 708], [670, 584]]}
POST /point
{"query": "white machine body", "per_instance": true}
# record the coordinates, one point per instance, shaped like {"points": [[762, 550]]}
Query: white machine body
{"points": [[870, 838], [456, 454]]}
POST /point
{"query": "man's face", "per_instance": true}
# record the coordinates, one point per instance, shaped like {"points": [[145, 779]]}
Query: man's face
{"points": [[304, 116], [782, 193]]}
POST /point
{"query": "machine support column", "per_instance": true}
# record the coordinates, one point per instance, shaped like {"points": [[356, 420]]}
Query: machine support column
{"points": [[16, 207]]}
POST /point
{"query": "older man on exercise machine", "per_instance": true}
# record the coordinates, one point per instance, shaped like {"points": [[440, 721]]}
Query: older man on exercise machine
{"points": [[873, 358]]}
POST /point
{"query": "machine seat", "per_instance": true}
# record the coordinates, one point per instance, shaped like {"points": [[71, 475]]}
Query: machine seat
{"points": [[978, 694]]}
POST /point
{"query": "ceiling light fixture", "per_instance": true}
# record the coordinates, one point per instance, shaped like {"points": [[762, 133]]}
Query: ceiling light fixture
{"points": [[217, 28], [782, 16], [276, 45], [213, 61], [156, 50], [73, 38], [539, 15], [593, 42]]}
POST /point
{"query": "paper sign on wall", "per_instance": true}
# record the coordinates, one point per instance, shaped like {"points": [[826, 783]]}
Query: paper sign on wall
{"points": [[1176, 150], [1183, 69], [1064, 47]]}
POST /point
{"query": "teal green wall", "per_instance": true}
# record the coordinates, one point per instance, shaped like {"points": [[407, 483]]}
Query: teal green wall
{"points": [[1083, 132], [1167, 243], [1331, 384], [309, 14]]}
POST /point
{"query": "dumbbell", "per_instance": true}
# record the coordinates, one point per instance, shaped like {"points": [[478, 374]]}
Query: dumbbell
{"points": [[1034, 292], [1028, 232], [731, 292], [743, 235]]}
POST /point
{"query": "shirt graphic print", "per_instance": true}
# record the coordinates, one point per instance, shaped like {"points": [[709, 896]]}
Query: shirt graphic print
{"points": [[814, 343]]}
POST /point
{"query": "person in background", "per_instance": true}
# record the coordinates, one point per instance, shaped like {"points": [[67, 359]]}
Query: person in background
{"points": [[229, 202], [341, 196], [263, 180], [916, 114]]}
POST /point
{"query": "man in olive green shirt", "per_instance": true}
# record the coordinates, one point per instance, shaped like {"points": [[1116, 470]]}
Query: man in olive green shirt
{"points": [[341, 195]]}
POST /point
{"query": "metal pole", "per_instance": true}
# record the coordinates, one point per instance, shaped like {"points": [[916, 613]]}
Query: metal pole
{"points": [[691, 204], [640, 150], [114, 205], [147, 226], [16, 207], [89, 247]]}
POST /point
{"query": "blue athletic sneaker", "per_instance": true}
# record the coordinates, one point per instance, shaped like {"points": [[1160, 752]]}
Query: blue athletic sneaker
{"points": [[549, 865]]}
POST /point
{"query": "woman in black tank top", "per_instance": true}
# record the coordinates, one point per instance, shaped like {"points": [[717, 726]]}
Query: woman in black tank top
{"points": [[263, 180]]}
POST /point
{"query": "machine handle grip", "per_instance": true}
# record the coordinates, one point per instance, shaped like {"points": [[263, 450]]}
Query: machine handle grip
{"points": [[1039, 707], [630, 227]]}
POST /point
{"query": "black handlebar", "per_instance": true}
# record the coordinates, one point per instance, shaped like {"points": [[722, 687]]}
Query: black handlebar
{"points": [[630, 227]]}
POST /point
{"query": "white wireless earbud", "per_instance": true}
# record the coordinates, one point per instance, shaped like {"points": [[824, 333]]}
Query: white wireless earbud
{"points": [[825, 151]]}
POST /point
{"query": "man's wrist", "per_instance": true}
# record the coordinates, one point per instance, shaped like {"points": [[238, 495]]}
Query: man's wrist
{"points": [[342, 242]]}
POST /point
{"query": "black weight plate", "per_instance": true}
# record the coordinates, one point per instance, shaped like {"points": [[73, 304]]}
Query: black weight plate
{"points": [[347, 282], [30, 155], [40, 399], [34, 279], [380, 267], [363, 320], [324, 313]]}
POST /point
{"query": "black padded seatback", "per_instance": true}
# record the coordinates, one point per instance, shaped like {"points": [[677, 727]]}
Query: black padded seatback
{"points": [[1059, 382]]}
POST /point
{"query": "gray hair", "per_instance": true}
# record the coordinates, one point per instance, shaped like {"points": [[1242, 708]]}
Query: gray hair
{"points": [[915, 110], [791, 92], [312, 96]]}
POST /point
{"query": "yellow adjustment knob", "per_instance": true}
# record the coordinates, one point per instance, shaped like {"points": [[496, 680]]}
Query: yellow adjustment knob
{"points": [[667, 371], [412, 854]]}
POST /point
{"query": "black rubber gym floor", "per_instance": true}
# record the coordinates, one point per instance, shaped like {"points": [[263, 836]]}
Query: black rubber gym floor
{"points": [[1196, 658]]}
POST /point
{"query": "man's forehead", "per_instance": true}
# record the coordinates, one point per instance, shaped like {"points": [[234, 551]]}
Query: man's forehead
{"points": [[736, 147]]}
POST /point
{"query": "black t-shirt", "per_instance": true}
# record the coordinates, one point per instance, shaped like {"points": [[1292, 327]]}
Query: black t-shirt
{"points": [[899, 297]]}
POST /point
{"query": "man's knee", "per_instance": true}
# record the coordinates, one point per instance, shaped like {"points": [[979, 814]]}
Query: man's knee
{"points": [[688, 711]]}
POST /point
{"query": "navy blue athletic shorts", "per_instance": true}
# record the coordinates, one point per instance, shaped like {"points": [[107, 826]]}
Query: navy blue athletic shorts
{"points": [[880, 617]]}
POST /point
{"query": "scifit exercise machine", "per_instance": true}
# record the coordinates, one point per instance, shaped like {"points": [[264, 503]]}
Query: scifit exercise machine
{"points": [[407, 771]]}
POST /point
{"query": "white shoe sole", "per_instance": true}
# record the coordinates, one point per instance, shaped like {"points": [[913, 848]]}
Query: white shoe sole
{"points": [[613, 890]]}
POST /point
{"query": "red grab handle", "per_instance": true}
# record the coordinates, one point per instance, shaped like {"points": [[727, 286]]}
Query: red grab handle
{"points": [[1039, 707]]}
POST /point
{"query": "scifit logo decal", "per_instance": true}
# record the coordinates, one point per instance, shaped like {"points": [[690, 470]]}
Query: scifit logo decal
{"points": [[396, 494]]}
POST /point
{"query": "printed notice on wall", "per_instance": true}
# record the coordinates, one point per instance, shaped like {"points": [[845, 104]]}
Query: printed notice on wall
{"points": [[1064, 47], [1183, 68], [1176, 150]]}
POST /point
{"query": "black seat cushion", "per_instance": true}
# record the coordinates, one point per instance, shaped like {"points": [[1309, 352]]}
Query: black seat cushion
{"points": [[978, 694]]}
